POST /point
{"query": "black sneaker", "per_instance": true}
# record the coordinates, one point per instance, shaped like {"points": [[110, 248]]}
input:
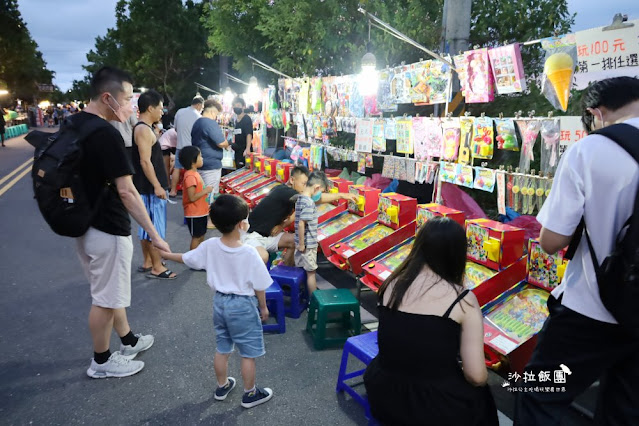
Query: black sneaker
{"points": [[222, 391], [256, 397]]}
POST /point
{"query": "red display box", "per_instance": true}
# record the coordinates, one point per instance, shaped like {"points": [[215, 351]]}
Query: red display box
{"points": [[259, 163], [511, 324], [256, 195], [376, 271], [487, 283], [345, 222], [396, 210], [250, 160], [224, 180], [337, 185], [240, 181], [283, 171], [326, 211], [545, 270], [269, 167], [395, 224], [367, 200], [494, 244], [252, 185], [428, 211]]}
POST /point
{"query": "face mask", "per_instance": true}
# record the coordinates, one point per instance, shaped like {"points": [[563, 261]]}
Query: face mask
{"points": [[317, 196], [159, 125], [599, 116], [242, 231], [121, 113], [238, 111], [165, 110]]}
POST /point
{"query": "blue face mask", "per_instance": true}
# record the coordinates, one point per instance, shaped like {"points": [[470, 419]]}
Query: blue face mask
{"points": [[317, 196]]}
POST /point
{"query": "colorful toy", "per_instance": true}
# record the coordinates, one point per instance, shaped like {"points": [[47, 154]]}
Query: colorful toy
{"points": [[483, 137], [545, 270], [506, 136], [429, 211]]}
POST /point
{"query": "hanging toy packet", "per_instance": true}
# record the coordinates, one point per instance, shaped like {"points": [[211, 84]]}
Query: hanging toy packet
{"points": [[483, 137], [550, 133], [559, 67], [466, 125], [451, 134], [479, 82], [506, 135], [529, 130], [508, 69]]}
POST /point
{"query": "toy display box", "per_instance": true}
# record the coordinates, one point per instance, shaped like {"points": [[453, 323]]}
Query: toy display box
{"points": [[511, 323], [259, 163], [545, 270], [395, 224], [250, 160], [380, 268], [241, 181], [327, 211], [283, 171], [224, 180], [494, 244], [428, 211], [255, 196], [356, 216], [269, 167]]}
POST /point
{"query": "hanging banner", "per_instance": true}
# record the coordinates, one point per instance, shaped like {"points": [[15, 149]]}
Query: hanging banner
{"points": [[604, 54], [364, 135], [571, 131]]}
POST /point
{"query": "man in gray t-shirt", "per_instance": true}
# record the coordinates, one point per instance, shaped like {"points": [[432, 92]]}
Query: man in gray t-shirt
{"points": [[183, 123]]}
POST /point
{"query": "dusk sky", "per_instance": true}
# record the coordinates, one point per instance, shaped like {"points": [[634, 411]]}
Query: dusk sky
{"points": [[65, 30]]}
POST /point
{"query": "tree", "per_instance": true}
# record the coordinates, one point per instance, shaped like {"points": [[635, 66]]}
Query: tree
{"points": [[162, 43], [21, 64]]}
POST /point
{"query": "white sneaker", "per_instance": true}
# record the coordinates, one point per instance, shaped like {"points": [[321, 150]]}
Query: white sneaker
{"points": [[116, 366], [144, 343]]}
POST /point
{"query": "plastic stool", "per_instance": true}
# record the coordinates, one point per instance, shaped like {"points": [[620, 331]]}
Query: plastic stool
{"points": [[363, 347], [325, 302], [275, 304], [293, 283]]}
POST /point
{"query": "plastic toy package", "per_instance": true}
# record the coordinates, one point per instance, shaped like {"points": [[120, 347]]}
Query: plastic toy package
{"points": [[559, 67], [452, 135], [483, 138], [529, 130], [506, 135], [550, 133], [466, 125]]}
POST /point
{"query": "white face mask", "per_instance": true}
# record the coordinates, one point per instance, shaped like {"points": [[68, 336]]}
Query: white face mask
{"points": [[121, 113], [158, 125], [242, 226]]}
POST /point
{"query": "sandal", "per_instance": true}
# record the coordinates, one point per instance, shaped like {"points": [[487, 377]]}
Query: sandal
{"points": [[142, 269], [166, 275]]}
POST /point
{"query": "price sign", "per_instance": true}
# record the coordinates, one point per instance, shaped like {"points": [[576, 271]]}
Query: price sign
{"points": [[604, 54], [571, 130], [364, 135]]}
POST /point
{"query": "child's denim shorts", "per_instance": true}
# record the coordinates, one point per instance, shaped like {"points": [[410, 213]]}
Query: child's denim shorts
{"points": [[236, 320]]}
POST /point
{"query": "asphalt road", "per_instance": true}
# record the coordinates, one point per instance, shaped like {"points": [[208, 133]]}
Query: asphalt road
{"points": [[46, 345]]}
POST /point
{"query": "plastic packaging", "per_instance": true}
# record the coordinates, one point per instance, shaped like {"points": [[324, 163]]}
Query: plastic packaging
{"points": [[559, 67], [529, 130], [550, 133], [506, 135]]}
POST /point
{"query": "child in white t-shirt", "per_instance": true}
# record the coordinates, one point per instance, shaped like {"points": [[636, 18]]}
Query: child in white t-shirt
{"points": [[239, 277]]}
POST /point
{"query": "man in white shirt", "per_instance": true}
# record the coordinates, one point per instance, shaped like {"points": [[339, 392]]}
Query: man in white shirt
{"points": [[183, 123], [581, 341]]}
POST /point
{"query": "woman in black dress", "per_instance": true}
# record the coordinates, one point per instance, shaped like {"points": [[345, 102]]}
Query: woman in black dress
{"points": [[426, 320]]}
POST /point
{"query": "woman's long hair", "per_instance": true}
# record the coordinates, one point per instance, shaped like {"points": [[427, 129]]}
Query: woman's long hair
{"points": [[441, 245]]}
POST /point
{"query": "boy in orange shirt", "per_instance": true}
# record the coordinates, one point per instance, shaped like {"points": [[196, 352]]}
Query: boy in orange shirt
{"points": [[194, 194]]}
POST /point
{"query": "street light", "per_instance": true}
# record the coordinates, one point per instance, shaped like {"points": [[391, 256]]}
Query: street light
{"points": [[228, 96], [253, 91], [3, 92], [368, 78]]}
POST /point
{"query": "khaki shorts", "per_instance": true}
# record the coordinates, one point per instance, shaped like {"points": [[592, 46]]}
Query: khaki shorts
{"points": [[270, 244], [306, 260], [106, 260]]}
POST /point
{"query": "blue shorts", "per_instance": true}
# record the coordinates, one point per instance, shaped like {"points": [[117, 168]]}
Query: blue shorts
{"points": [[236, 320], [156, 208], [176, 163]]}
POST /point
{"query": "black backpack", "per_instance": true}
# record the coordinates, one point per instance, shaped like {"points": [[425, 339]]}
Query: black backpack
{"points": [[57, 183], [618, 274]]}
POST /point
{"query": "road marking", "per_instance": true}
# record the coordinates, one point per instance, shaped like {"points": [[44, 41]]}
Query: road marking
{"points": [[7, 177], [14, 181]]}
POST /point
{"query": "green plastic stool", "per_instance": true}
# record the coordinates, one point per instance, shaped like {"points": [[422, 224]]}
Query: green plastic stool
{"points": [[325, 302]]}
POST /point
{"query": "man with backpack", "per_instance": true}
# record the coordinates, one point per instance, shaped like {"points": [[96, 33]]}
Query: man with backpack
{"points": [[592, 332], [106, 249]]}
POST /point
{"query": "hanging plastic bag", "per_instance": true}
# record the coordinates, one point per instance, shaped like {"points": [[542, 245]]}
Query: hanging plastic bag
{"points": [[529, 130], [452, 136], [228, 158], [506, 135], [550, 133], [559, 68]]}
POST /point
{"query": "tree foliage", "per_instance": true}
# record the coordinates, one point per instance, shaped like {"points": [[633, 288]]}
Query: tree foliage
{"points": [[21, 63], [162, 43]]}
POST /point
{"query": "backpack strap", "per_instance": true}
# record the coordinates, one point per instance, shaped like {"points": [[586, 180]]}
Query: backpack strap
{"points": [[627, 137], [459, 298]]}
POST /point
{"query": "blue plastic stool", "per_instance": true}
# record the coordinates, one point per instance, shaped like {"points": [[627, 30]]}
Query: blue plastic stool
{"points": [[275, 304], [363, 347], [293, 283]]}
